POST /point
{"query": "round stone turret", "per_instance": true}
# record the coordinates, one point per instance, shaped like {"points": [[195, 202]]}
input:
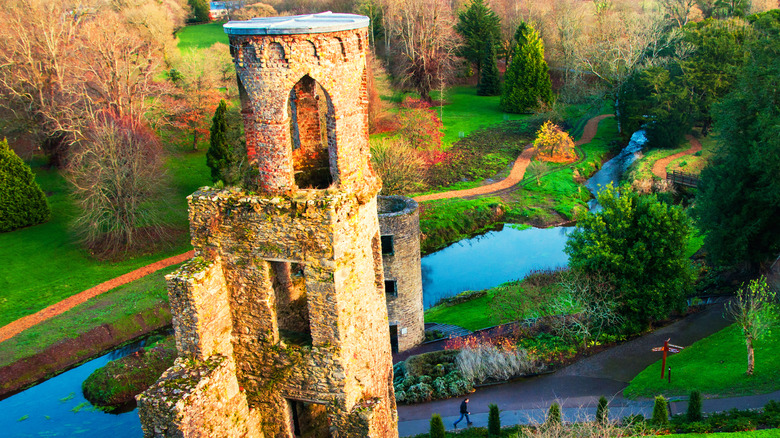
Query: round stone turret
{"points": [[303, 87], [399, 225]]}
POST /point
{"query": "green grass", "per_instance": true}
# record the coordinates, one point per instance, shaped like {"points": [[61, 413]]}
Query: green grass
{"points": [[696, 162], [449, 220], [715, 366], [201, 36], [695, 242], [43, 264], [471, 315], [643, 168], [466, 112], [118, 305]]}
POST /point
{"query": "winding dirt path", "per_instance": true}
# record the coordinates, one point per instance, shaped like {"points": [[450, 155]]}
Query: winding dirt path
{"points": [[21, 324], [518, 169], [659, 167]]}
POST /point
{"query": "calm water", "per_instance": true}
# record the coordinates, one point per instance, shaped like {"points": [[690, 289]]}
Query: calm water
{"points": [[510, 254], [56, 408]]}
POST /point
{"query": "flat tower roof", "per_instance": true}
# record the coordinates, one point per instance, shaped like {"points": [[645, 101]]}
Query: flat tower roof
{"points": [[297, 24]]}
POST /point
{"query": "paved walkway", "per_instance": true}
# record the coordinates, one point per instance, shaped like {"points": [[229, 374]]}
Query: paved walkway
{"points": [[10, 330], [578, 387], [518, 169], [659, 167]]}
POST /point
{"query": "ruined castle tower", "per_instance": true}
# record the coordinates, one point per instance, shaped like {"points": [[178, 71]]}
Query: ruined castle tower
{"points": [[399, 224], [280, 319]]}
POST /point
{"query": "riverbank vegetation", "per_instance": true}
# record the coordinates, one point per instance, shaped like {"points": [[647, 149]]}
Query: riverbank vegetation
{"points": [[116, 384]]}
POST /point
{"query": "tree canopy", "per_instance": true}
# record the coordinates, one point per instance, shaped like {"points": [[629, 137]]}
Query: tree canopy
{"points": [[738, 201], [638, 244], [489, 81], [527, 83]]}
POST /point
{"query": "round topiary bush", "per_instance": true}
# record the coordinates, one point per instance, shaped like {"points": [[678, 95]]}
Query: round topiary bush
{"points": [[22, 202]]}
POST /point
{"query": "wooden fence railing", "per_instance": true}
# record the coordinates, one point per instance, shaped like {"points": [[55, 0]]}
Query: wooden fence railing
{"points": [[682, 178]]}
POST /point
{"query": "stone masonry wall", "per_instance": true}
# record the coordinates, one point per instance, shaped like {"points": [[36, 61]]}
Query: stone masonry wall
{"points": [[269, 66], [399, 217], [198, 398]]}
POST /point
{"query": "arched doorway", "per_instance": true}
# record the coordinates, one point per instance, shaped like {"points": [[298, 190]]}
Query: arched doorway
{"points": [[312, 134]]}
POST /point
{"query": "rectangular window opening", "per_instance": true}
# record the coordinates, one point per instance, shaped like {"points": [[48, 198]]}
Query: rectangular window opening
{"points": [[309, 419], [390, 288], [387, 245], [292, 307]]}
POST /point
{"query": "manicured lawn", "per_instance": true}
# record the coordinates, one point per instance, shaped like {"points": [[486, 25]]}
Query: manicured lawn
{"points": [[449, 220], [120, 304], [715, 366], [201, 36], [43, 264], [466, 112], [471, 315]]}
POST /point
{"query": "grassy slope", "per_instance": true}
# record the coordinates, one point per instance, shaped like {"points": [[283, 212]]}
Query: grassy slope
{"points": [[715, 366], [119, 305], [693, 163], [201, 36], [43, 264]]}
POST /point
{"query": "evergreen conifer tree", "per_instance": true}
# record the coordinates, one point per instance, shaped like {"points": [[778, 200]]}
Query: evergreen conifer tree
{"points": [[219, 155], [527, 81], [602, 410], [660, 411], [437, 427], [554, 414], [22, 202], [476, 24], [494, 421], [489, 82], [694, 406]]}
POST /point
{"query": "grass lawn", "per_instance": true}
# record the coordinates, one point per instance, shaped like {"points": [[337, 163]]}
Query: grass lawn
{"points": [[120, 304], [643, 167], [43, 264], [201, 36], [715, 366], [466, 112]]}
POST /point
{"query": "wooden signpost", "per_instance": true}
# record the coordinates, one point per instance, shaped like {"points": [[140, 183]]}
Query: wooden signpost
{"points": [[667, 348]]}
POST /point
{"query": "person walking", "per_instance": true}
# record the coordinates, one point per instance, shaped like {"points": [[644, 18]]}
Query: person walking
{"points": [[464, 412]]}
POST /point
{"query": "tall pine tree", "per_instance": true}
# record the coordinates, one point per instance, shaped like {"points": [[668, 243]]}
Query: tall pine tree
{"points": [[220, 153], [527, 83], [489, 82], [476, 24]]}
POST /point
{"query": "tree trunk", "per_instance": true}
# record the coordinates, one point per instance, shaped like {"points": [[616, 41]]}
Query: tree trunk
{"points": [[195, 141], [751, 360]]}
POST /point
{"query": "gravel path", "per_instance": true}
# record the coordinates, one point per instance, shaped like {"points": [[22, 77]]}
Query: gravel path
{"points": [[518, 169], [659, 167]]}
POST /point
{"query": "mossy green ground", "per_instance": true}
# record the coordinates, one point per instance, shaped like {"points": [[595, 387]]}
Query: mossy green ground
{"points": [[715, 366], [43, 264], [201, 36]]}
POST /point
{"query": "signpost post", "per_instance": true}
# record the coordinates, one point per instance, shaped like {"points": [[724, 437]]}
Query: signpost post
{"points": [[667, 348]]}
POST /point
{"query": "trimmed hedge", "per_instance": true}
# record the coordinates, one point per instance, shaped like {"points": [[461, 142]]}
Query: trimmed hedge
{"points": [[22, 202]]}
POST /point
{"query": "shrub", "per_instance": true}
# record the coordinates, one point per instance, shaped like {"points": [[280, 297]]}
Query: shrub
{"points": [[437, 427], [553, 414], [421, 127], [22, 202], [398, 164], [660, 411], [554, 144], [494, 421], [602, 410], [694, 407], [481, 359]]}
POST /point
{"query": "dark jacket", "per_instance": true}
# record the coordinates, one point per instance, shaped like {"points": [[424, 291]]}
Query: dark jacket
{"points": [[464, 407]]}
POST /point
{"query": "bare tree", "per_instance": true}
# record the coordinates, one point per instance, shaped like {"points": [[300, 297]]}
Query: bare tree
{"points": [[116, 172], [593, 300], [424, 41], [398, 164], [754, 308], [678, 11]]}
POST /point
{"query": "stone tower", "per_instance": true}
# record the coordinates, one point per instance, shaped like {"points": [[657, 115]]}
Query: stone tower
{"points": [[399, 224], [280, 319]]}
